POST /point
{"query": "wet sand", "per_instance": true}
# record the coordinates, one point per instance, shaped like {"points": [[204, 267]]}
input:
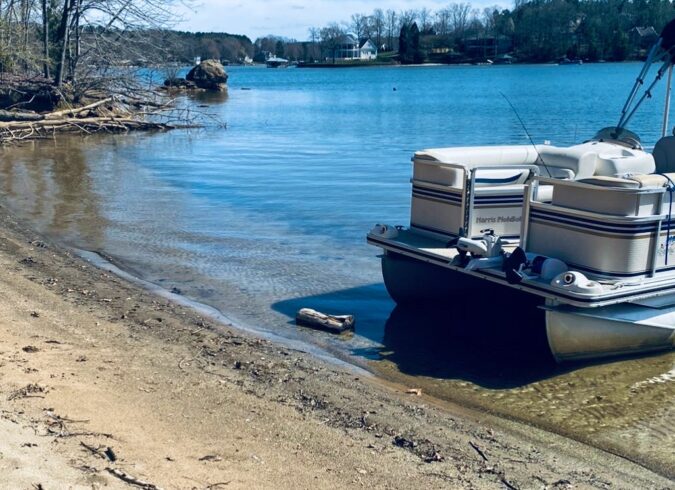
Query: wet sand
{"points": [[90, 362]]}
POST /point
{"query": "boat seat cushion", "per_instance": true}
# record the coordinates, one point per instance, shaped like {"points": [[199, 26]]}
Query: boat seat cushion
{"points": [[638, 181], [603, 181]]}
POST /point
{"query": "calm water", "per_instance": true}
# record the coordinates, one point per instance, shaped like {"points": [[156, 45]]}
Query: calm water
{"points": [[270, 215]]}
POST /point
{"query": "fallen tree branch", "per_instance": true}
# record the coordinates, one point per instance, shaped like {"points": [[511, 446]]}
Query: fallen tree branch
{"points": [[78, 110], [125, 477], [20, 116], [478, 450]]}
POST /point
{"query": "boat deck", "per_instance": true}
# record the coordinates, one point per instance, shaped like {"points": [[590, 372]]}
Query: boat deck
{"points": [[655, 292]]}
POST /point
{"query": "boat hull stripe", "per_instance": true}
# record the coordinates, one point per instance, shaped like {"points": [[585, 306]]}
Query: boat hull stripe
{"points": [[618, 228]]}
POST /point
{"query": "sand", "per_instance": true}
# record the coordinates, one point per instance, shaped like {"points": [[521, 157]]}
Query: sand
{"points": [[100, 379]]}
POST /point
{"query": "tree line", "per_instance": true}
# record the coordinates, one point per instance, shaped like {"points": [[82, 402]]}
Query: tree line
{"points": [[534, 31], [67, 39]]}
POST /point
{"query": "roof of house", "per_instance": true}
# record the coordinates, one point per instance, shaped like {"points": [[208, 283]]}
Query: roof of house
{"points": [[646, 31], [367, 44], [348, 39]]}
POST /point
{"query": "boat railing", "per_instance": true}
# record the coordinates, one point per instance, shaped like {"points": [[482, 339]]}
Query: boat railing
{"points": [[468, 199], [467, 191]]}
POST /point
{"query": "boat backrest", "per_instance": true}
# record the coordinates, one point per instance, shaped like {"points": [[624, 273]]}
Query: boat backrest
{"points": [[664, 155], [597, 158], [429, 165], [593, 158], [638, 195]]}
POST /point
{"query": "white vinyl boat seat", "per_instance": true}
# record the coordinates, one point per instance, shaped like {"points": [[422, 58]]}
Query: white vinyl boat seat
{"points": [[605, 227]]}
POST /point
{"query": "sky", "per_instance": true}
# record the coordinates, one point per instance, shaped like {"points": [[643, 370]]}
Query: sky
{"points": [[291, 18]]}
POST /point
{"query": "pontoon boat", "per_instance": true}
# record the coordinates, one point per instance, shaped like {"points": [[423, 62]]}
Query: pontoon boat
{"points": [[586, 231]]}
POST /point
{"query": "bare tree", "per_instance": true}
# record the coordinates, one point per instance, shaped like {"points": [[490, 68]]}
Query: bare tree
{"points": [[443, 21], [331, 37], [460, 14], [358, 25], [314, 34], [425, 16], [391, 22], [489, 19], [406, 17], [45, 38], [377, 22]]}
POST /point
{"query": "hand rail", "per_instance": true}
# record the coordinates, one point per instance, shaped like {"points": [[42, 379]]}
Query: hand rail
{"points": [[470, 183]]}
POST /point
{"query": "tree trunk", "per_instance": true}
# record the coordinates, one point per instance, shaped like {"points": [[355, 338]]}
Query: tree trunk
{"points": [[45, 37], [64, 37]]}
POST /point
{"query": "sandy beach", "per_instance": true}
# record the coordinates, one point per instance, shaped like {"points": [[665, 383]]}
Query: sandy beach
{"points": [[103, 384]]}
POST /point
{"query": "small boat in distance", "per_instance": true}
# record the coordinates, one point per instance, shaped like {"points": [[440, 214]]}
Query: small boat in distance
{"points": [[276, 62], [587, 232]]}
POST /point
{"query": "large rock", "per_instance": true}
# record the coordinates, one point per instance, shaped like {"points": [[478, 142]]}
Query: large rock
{"points": [[209, 75]]}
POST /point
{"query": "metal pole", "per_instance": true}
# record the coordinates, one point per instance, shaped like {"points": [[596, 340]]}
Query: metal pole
{"points": [[647, 95], [666, 110]]}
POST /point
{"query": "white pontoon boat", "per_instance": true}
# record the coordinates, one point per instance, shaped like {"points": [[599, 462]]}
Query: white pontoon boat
{"points": [[587, 232]]}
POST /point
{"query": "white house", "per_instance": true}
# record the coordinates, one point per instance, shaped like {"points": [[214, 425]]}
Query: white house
{"points": [[368, 50], [350, 48]]}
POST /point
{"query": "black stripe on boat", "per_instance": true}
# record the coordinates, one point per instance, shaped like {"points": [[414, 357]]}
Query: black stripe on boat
{"points": [[586, 223], [433, 230]]}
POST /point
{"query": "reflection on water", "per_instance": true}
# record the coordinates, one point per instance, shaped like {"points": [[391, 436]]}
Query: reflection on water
{"points": [[270, 216], [56, 190], [208, 97]]}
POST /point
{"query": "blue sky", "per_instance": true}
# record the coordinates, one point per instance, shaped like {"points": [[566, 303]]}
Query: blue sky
{"points": [[290, 18]]}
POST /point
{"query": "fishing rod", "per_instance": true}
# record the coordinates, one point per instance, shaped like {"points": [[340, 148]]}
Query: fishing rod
{"points": [[522, 124]]}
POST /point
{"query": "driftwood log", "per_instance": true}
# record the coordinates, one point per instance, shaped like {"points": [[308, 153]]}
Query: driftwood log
{"points": [[307, 317], [131, 480]]}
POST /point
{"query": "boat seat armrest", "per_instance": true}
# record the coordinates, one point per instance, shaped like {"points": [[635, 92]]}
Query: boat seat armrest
{"points": [[630, 181]]}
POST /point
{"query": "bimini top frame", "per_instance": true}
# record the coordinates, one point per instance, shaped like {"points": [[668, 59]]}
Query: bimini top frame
{"points": [[663, 51]]}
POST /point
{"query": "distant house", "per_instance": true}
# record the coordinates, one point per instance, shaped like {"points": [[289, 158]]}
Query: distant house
{"points": [[644, 36], [487, 47], [368, 50], [350, 48], [642, 39]]}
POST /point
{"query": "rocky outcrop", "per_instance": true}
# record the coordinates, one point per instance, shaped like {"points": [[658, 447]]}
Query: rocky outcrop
{"points": [[209, 75]]}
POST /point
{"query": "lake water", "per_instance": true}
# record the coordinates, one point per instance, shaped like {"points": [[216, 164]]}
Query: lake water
{"points": [[270, 215]]}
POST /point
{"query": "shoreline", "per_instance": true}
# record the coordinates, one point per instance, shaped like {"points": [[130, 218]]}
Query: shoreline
{"points": [[88, 357]]}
